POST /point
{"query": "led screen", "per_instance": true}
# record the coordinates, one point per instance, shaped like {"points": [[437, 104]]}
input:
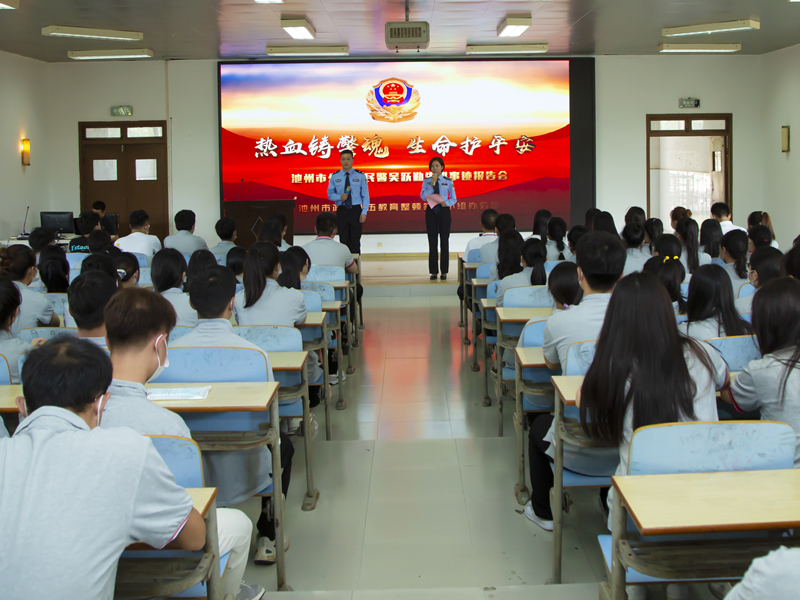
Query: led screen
{"points": [[502, 127]]}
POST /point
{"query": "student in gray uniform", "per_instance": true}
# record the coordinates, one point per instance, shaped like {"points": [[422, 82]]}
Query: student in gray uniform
{"points": [[765, 265], [168, 274], [688, 233], [138, 323], [556, 234], [10, 347], [733, 252], [18, 263], [54, 270], [88, 295], [64, 483], [633, 238], [774, 576], [234, 260], [127, 269], [273, 231], [226, 231], [710, 307], [668, 245], [574, 235], [509, 249], [653, 229], [503, 223], [185, 240], [199, 262], [527, 262], [670, 273], [242, 473]]}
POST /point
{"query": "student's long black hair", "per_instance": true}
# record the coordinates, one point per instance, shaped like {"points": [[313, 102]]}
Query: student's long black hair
{"points": [[710, 237], [639, 361], [766, 262], [574, 235], [54, 270], [776, 322], [534, 253], [556, 231], [589, 218], [235, 258], [168, 269], [291, 267], [540, 220], [604, 221], [735, 244], [128, 266], [10, 300], [563, 284], [633, 235], [635, 214], [199, 262], [667, 245], [262, 258], [670, 273], [760, 235], [711, 295], [790, 267], [16, 260], [509, 249], [689, 234], [654, 229]]}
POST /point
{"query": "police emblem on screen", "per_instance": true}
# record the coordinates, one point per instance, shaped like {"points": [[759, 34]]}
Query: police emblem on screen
{"points": [[393, 100]]}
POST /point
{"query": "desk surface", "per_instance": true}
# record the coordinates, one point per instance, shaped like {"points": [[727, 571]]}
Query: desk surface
{"points": [[202, 498], [712, 502], [521, 315], [287, 361], [331, 306], [337, 285], [481, 282], [223, 397], [567, 387], [472, 265], [313, 320], [530, 358], [489, 303]]}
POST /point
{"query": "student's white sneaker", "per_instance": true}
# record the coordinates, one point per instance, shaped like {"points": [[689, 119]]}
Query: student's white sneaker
{"points": [[334, 379], [719, 590], [677, 591], [602, 509], [250, 592], [543, 523], [292, 425], [636, 592]]}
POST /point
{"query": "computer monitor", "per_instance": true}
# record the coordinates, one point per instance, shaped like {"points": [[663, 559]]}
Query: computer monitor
{"points": [[60, 221]]}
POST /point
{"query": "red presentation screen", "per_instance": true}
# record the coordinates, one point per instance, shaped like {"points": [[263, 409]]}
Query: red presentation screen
{"points": [[502, 128]]}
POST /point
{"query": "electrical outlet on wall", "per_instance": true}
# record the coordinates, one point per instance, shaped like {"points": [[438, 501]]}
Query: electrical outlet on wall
{"points": [[380, 245]]}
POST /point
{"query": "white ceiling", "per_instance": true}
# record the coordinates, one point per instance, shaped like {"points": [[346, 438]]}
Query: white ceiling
{"points": [[196, 29]]}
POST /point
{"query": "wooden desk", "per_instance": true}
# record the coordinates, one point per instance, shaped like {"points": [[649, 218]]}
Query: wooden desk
{"points": [[481, 282], [202, 498], [8, 396], [487, 303], [530, 358], [567, 387], [313, 319], [223, 397], [288, 361], [521, 315], [331, 306]]}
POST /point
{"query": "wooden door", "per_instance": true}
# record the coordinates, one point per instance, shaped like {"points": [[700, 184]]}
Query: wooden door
{"points": [[146, 166], [103, 178]]}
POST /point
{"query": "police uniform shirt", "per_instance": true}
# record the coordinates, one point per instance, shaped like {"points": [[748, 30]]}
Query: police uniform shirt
{"points": [[141, 243], [634, 262], [73, 499], [187, 316], [703, 330], [489, 251], [129, 406], [479, 242], [325, 250], [186, 242], [223, 247], [12, 348], [35, 309], [736, 281], [238, 474], [446, 189], [359, 188]]}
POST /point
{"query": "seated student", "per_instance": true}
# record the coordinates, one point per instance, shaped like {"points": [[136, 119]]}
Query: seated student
{"points": [[678, 213], [10, 347], [721, 213], [635, 216], [574, 235], [488, 233], [234, 260], [226, 232], [88, 295], [271, 232], [139, 239], [18, 263], [100, 262], [687, 232], [759, 236], [556, 233], [239, 474], [199, 262], [604, 221], [284, 225], [39, 239], [324, 250], [168, 273], [540, 221], [54, 270], [733, 252], [588, 221], [670, 273], [765, 265], [790, 267], [509, 249], [99, 242], [771, 384], [503, 223], [774, 576], [113, 485], [669, 245], [185, 240], [633, 238], [304, 260], [87, 223], [653, 229], [138, 324], [527, 260], [710, 308], [762, 218], [127, 269], [107, 224], [710, 238], [601, 260]]}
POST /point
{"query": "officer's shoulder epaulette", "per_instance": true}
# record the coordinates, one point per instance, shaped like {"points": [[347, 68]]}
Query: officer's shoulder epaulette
{"points": [[443, 177], [357, 171]]}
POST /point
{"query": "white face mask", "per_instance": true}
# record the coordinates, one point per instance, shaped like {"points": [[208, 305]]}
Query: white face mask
{"points": [[161, 367], [100, 410]]}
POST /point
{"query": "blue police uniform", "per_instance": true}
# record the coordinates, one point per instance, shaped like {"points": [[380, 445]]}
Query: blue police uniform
{"points": [[437, 222], [349, 211]]}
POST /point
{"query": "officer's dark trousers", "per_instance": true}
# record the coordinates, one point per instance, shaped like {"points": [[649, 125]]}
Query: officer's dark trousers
{"points": [[349, 225], [438, 226]]}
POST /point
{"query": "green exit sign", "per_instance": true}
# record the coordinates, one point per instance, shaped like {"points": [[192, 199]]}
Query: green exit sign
{"points": [[121, 111]]}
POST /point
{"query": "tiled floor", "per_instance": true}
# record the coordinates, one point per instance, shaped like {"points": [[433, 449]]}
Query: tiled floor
{"points": [[416, 488]]}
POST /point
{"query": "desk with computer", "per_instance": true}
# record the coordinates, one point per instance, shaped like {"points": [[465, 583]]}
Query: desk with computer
{"points": [[63, 223]]}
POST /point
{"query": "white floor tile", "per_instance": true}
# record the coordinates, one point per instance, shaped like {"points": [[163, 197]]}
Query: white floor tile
{"points": [[415, 565], [420, 454], [420, 522]]}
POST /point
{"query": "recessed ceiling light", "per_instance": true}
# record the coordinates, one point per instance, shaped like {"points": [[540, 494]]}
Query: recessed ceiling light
{"points": [[699, 48], [308, 51], [110, 54], [513, 26], [269, 1], [299, 29], [508, 49], [711, 28], [94, 34], [9, 4]]}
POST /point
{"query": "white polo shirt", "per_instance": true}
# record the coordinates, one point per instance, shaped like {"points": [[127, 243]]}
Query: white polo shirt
{"points": [[141, 243], [325, 250], [480, 241], [223, 247], [185, 241], [489, 251], [187, 316], [35, 308], [89, 493]]}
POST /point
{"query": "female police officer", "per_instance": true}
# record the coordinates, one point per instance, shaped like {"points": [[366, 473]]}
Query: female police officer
{"points": [[439, 193]]}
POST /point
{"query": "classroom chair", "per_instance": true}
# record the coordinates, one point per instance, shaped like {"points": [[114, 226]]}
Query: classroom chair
{"points": [[315, 339], [187, 256], [746, 289], [5, 374], [141, 258], [178, 332], [76, 258], [488, 331], [59, 302], [328, 294], [737, 351], [145, 280], [482, 272], [474, 256], [747, 317], [31, 333], [685, 290], [216, 364], [222, 259], [550, 265], [681, 319], [697, 447], [326, 273]]}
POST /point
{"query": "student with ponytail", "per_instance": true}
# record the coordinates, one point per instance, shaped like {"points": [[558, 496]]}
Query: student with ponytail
{"points": [[10, 347], [667, 245], [633, 238], [168, 273], [18, 263], [678, 213], [687, 232], [759, 236], [710, 238], [540, 221], [509, 249], [531, 260], [653, 229], [762, 218], [765, 265], [556, 232], [670, 273], [733, 252], [54, 270], [710, 307], [574, 235]]}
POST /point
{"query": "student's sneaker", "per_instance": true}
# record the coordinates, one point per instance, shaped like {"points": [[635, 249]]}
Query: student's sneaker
{"points": [[636, 592], [719, 590], [601, 508], [543, 523], [292, 425], [334, 379], [677, 591], [250, 592]]}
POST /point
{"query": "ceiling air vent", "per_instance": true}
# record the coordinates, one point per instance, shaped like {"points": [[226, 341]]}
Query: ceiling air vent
{"points": [[408, 35]]}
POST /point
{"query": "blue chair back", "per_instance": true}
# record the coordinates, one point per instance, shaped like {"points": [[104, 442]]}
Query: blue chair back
{"points": [[746, 289], [187, 256], [212, 365], [325, 273], [698, 447], [275, 338], [531, 296], [179, 331], [737, 351], [5, 373], [685, 290], [144, 276], [533, 334], [681, 319], [73, 273], [747, 317], [550, 265], [48, 333], [313, 300], [323, 289], [474, 255], [222, 259], [59, 302], [482, 272], [183, 458], [75, 259], [141, 258], [718, 261], [579, 357]]}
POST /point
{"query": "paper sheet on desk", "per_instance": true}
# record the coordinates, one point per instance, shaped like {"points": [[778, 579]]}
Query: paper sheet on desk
{"points": [[187, 393], [434, 199]]}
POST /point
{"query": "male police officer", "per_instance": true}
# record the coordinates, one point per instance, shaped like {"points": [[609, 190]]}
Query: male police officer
{"points": [[348, 189]]}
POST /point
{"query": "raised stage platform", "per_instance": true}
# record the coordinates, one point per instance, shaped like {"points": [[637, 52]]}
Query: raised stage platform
{"points": [[405, 275]]}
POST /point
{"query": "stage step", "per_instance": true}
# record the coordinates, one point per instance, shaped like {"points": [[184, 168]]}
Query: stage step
{"points": [[567, 591]]}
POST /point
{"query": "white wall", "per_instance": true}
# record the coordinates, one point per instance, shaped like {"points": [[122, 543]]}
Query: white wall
{"points": [[23, 101]]}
